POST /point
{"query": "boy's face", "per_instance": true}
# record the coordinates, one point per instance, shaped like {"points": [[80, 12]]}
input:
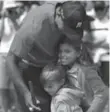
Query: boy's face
{"points": [[67, 54], [52, 87]]}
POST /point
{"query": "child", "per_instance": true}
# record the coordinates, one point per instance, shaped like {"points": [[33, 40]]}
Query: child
{"points": [[64, 99], [83, 77]]}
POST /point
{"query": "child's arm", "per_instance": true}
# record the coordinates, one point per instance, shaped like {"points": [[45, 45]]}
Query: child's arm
{"points": [[101, 92], [64, 107]]}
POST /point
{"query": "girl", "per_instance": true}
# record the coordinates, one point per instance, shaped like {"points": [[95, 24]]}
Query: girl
{"points": [[83, 77]]}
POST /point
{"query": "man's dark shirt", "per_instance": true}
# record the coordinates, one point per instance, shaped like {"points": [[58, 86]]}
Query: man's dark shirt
{"points": [[37, 39]]}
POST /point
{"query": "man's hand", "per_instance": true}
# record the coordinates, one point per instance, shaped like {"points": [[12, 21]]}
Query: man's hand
{"points": [[29, 103]]}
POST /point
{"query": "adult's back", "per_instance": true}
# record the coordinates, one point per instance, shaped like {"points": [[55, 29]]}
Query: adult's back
{"points": [[37, 39]]}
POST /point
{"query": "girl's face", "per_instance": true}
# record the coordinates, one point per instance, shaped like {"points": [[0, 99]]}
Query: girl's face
{"points": [[67, 54]]}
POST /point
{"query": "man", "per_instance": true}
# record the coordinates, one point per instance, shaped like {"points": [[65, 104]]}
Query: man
{"points": [[36, 43]]}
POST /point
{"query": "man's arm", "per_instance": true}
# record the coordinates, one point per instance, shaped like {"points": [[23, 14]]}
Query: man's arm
{"points": [[101, 92], [22, 44], [16, 76], [12, 62]]}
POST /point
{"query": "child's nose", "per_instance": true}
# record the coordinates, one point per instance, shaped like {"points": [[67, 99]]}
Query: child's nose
{"points": [[62, 55]]}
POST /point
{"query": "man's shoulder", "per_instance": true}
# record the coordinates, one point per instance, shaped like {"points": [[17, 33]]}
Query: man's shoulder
{"points": [[35, 18], [47, 9], [39, 13]]}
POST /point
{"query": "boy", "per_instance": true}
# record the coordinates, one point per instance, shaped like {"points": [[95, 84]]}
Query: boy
{"points": [[82, 76], [64, 99]]}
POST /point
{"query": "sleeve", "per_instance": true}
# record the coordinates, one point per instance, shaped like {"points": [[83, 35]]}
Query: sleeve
{"points": [[22, 42], [25, 36], [99, 89], [59, 104], [63, 107]]}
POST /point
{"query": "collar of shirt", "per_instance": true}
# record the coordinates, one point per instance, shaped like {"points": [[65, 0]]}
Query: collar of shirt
{"points": [[73, 75], [74, 71]]}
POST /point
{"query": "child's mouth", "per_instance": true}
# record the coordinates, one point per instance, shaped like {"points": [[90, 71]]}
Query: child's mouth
{"points": [[64, 59]]}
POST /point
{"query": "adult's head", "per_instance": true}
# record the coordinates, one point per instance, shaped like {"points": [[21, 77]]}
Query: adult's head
{"points": [[14, 9], [69, 17], [100, 8]]}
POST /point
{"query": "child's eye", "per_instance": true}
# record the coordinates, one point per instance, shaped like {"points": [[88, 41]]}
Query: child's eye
{"points": [[67, 51]]}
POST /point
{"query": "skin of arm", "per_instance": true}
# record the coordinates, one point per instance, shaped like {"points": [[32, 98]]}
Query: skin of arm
{"points": [[16, 76], [14, 72]]}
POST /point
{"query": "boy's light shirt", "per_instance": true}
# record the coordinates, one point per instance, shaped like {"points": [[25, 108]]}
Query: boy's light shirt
{"points": [[66, 100]]}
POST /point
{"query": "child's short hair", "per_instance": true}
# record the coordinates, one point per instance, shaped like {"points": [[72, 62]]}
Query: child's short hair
{"points": [[52, 72], [75, 44]]}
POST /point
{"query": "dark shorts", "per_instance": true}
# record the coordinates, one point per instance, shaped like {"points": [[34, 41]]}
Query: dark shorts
{"points": [[32, 74]]}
